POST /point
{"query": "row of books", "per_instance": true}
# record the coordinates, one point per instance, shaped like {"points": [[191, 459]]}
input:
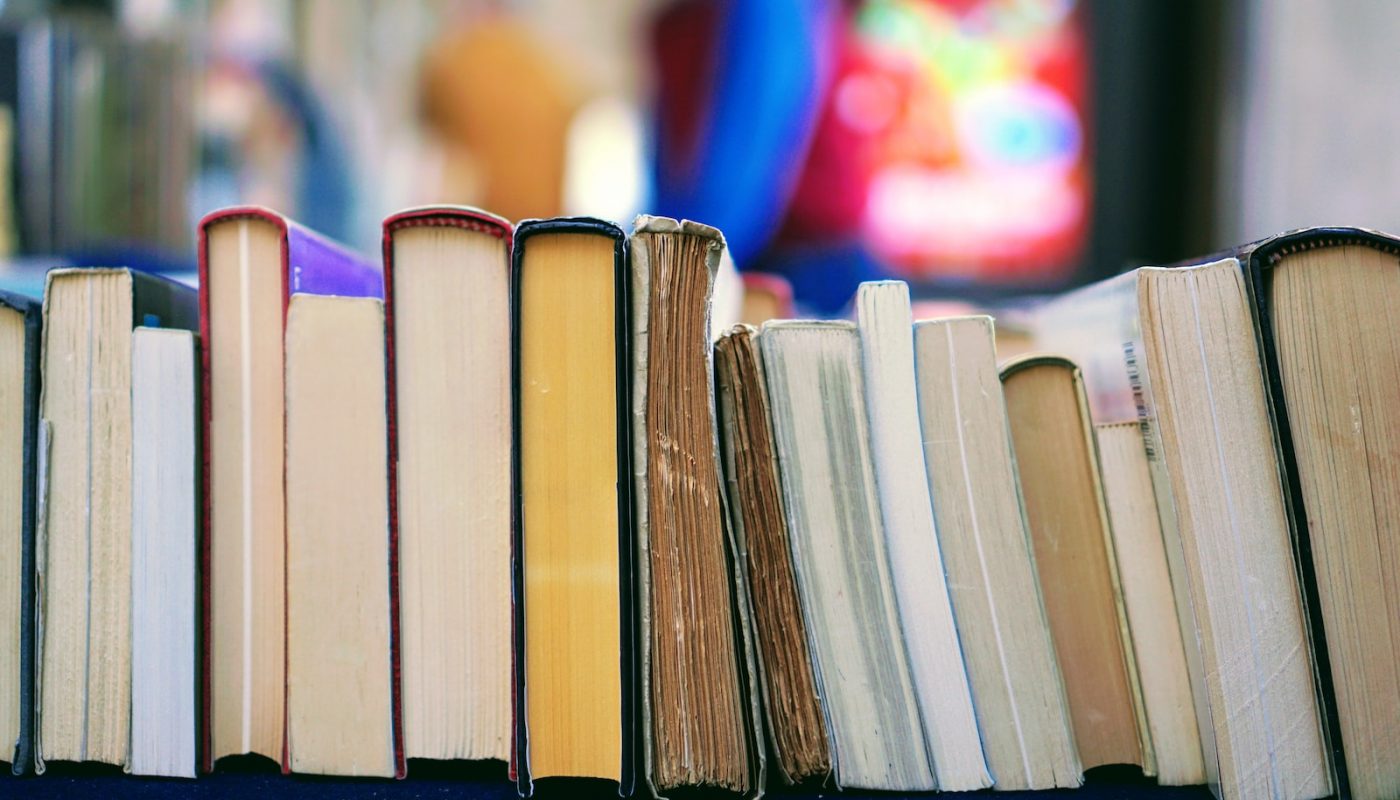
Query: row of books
{"points": [[502, 495]]}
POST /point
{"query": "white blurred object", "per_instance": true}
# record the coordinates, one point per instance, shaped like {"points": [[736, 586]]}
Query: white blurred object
{"points": [[728, 304], [605, 160]]}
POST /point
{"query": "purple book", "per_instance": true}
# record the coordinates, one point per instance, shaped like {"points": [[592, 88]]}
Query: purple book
{"points": [[309, 264]]}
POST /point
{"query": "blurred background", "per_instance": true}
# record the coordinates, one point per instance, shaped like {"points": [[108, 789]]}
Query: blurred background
{"points": [[981, 149]]}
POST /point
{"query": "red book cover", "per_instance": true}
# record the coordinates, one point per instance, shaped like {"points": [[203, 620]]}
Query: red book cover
{"points": [[310, 264], [423, 217]]}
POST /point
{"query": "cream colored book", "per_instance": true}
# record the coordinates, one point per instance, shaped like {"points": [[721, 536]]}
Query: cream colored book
{"points": [[447, 273], [340, 687], [1016, 684], [84, 548], [886, 327]]}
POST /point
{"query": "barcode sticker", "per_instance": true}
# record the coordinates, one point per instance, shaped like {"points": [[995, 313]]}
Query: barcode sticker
{"points": [[1130, 359]]}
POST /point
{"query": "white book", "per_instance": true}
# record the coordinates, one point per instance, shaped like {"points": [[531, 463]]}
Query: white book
{"points": [[936, 664], [164, 517]]}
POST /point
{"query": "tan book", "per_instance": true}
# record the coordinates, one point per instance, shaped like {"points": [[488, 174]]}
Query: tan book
{"points": [[1058, 469], [793, 714], [1326, 300], [698, 715], [1016, 684]]}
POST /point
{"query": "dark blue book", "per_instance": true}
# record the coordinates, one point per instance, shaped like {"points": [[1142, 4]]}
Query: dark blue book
{"points": [[19, 362]]}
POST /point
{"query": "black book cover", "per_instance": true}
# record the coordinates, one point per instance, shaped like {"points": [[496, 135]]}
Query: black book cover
{"points": [[21, 755], [1257, 260], [520, 745]]}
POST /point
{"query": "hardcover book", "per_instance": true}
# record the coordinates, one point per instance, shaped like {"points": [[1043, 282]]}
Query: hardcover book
{"points": [[447, 336], [251, 261], [20, 324], [84, 548], [573, 545]]}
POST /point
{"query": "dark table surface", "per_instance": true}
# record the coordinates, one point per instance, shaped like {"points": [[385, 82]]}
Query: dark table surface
{"points": [[450, 780]]}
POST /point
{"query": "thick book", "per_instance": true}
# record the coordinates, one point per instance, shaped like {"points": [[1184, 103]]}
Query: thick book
{"points": [[1176, 350], [698, 702], [84, 548], [447, 336], [1017, 687], [251, 261], [164, 520], [572, 543], [817, 392], [885, 322], [20, 323], [792, 717], [1058, 469], [1324, 301]]}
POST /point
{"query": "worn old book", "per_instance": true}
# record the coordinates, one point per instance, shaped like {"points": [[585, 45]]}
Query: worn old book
{"points": [[572, 575], [1177, 349], [251, 261], [698, 707], [1058, 470], [164, 566], [885, 322], [1326, 300], [84, 554], [1016, 685], [447, 314], [813, 374], [20, 318], [792, 711], [342, 710]]}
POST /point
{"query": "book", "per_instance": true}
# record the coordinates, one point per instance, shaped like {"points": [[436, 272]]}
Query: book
{"points": [[342, 693], [573, 544], [164, 518], [83, 628], [1324, 298], [20, 325], [813, 375], [1017, 688], [1150, 605], [1177, 349], [792, 714], [885, 324], [1058, 471], [250, 262], [447, 334], [698, 717]]}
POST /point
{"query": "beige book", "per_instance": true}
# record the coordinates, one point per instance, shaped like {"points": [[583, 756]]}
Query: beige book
{"points": [[12, 433], [339, 675], [1150, 604], [1208, 397], [84, 647], [247, 634], [1331, 310], [451, 329], [1016, 684]]}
